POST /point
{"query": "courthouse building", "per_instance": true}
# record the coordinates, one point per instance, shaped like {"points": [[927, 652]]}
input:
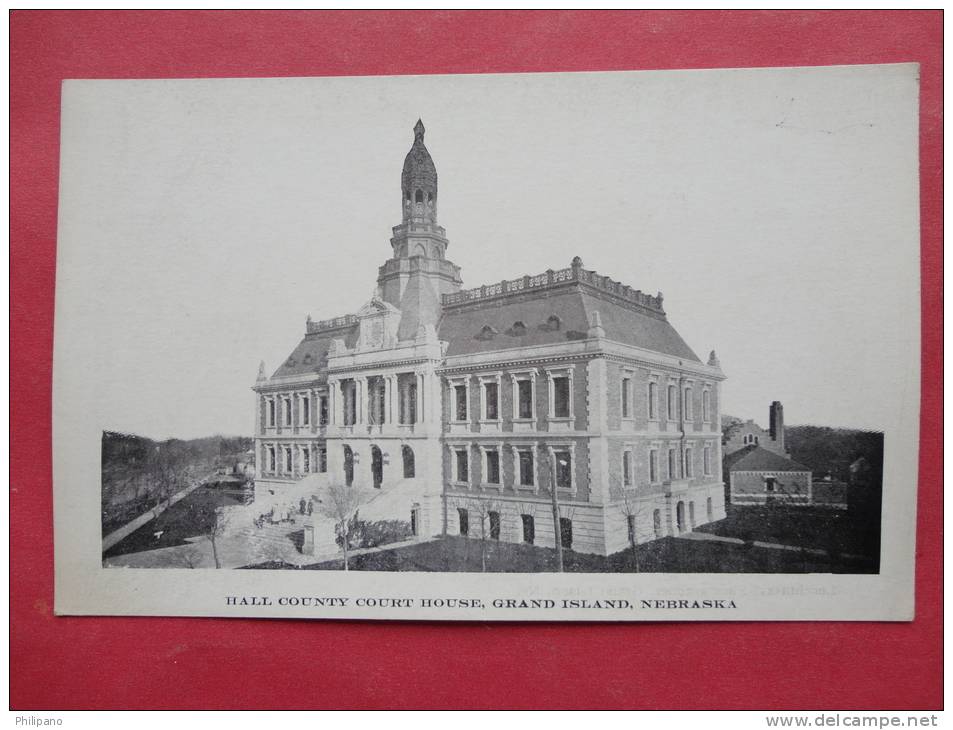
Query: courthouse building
{"points": [[462, 409]]}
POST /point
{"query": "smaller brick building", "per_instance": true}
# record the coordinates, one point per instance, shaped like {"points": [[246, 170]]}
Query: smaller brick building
{"points": [[759, 476]]}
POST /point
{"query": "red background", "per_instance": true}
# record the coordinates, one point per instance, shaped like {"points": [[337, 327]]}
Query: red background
{"points": [[63, 663]]}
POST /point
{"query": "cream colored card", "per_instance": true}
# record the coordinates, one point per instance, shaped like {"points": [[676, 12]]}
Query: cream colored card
{"points": [[590, 346]]}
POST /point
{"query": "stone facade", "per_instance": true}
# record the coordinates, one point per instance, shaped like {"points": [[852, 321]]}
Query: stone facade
{"points": [[467, 408]]}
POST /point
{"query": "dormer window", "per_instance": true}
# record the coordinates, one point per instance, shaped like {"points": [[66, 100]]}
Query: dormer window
{"points": [[486, 333], [519, 329], [553, 323]]}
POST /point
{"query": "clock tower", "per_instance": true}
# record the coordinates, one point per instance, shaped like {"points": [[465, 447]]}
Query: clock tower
{"points": [[417, 273]]}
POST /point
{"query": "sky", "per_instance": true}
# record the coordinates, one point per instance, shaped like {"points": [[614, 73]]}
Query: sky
{"points": [[201, 222]]}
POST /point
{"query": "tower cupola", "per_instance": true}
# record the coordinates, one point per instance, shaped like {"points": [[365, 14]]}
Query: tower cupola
{"points": [[418, 181], [418, 274]]}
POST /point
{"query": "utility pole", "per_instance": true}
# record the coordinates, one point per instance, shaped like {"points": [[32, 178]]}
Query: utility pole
{"points": [[557, 530]]}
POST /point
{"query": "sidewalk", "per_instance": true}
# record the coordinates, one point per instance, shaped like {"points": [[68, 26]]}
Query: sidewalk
{"points": [[130, 527], [758, 543]]}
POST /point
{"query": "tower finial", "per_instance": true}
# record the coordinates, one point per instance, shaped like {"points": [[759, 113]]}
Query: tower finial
{"points": [[419, 130]]}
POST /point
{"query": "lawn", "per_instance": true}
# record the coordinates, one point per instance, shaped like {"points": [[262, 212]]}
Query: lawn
{"points": [[668, 555], [189, 517], [853, 531]]}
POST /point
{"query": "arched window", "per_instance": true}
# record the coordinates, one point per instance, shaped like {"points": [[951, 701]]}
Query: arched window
{"points": [[348, 466], [408, 454], [377, 466], [519, 328], [553, 323]]}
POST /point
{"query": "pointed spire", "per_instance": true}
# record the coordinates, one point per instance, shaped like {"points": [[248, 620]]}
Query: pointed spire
{"points": [[419, 130], [261, 372]]}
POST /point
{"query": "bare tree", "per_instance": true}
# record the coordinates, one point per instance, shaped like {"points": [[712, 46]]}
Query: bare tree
{"points": [[168, 472], [482, 508], [632, 507], [341, 504]]}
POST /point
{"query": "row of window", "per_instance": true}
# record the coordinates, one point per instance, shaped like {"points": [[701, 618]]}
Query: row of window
{"points": [[279, 409], [682, 523], [525, 466], [280, 459], [560, 398], [671, 401], [676, 468], [377, 395], [490, 523], [493, 521]]}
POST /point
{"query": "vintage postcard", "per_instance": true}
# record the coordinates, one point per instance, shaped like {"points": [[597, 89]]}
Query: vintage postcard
{"points": [[589, 346]]}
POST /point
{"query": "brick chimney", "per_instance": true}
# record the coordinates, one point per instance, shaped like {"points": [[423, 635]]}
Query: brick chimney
{"points": [[776, 421]]}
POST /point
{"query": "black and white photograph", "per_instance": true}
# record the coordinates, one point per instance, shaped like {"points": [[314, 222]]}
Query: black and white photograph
{"points": [[599, 346]]}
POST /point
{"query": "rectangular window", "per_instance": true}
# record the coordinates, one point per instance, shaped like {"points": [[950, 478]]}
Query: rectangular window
{"points": [[529, 529], [565, 532], [322, 459], [672, 402], [463, 465], [407, 399], [525, 396], [491, 393], [287, 405], [689, 470], [653, 465], [627, 468], [349, 394], [561, 397], [323, 410], [672, 462], [653, 400], [563, 469], [706, 406], [706, 456], [305, 410], [492, 466], [689, 405], [464, 519], [460, 402], [411, 416], [626, 396], [494, 525], [526, 468], [271, 412], [306, 460], [289, 460], [375, 400], [272, 458]]}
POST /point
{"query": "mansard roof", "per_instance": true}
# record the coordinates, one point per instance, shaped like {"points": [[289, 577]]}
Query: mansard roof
{"points": [[556, 307], [311, 354], [757, 458]]}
